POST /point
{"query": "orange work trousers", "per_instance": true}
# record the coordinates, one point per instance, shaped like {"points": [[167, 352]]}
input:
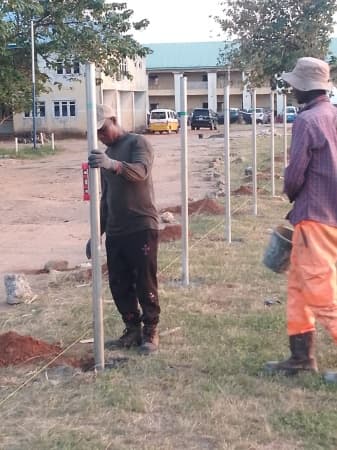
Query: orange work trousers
{"points": [[312, 290]]}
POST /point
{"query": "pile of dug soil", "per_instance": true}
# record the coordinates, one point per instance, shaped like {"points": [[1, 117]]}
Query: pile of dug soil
{"points": [[243, 190], [204, 206], [16, 349], [248, 190], [170, 233]]}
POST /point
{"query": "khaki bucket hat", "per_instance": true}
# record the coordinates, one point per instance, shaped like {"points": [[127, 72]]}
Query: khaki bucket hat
{"points": [[309, 74]]}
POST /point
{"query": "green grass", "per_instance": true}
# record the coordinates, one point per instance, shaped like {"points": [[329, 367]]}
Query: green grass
{"points": [[27, 152]]}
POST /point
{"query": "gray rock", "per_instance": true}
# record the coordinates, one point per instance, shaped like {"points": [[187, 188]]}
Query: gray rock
{"points": [[18, 289]]}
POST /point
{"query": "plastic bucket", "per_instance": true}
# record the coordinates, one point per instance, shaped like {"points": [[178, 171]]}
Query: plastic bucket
{"points": [[277, 254]]}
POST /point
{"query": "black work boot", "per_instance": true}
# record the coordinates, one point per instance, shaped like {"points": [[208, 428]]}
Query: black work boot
{"points": [[150, 343], [302, 356], [131, 337]]}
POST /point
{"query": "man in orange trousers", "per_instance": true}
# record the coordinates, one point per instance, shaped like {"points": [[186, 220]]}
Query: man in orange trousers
{"points": [[311, 183]]}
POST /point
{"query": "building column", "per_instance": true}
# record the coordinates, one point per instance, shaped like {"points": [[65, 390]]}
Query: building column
{"points": [[246, 95], [211, 84], [133, 111], [118, 107], [177, 77], [279, 103]]}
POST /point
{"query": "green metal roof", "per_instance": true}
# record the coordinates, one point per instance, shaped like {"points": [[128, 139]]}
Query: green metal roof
{"points": [[184, 55], [193, 55]]}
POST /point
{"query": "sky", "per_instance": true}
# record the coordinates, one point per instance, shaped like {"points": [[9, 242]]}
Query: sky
{"points": [[176, 20]]}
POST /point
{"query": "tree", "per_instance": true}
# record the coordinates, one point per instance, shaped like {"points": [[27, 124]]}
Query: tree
{"points": [[268, 36], [66, 31]]}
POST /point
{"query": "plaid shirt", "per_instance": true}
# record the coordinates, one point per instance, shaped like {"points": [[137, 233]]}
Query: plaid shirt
{"points": [[311, 176]]}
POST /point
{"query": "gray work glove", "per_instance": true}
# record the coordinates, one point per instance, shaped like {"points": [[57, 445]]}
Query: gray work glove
{"points": [[98, 159], [88, 249]]}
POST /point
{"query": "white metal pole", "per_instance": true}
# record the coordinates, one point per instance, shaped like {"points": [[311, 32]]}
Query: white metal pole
{"points": [[184, 180], [33, 82], [228, 233], [254, 165], [52, 141], [16, 146], [41, 137], [272, 143], [94, 177], [285, 137]]}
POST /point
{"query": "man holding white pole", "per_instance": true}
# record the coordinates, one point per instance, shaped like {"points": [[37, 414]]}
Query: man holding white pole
{"points": [[129, 220]]}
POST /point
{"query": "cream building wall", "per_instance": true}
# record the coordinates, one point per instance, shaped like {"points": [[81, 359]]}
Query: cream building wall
{"points": [[204, 89], [62, 110]]}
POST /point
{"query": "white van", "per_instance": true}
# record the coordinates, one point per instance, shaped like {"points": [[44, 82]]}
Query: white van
{"points": [[163, 120]]}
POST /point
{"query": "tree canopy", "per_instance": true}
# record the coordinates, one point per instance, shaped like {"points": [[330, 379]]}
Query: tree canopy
{"points": [[65, 31], [268, 36]]}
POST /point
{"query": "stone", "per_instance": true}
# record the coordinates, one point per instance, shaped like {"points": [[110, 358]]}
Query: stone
{"points": [[167, 217], [18, 289], [59, 265]]}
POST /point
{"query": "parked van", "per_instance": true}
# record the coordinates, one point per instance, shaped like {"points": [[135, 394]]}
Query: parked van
{"points": [[291, 113], [163, 120]]}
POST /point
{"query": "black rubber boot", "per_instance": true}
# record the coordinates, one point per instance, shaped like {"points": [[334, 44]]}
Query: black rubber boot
{"points": [[150, 342], [302, 356], [131, 337]]}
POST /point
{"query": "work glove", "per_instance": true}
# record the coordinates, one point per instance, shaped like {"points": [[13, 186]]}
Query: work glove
{"points": [[98, 159], [88, 249]]}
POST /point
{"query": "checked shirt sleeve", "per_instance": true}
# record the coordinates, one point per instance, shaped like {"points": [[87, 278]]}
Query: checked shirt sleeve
{"points": [[300, 156]]}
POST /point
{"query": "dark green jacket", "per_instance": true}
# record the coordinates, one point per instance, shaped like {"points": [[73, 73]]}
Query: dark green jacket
{"points": [[127, 202]]}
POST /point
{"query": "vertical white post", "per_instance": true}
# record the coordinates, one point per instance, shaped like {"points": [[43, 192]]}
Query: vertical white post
{"points": [[254, 165], [41, 137], [52, 141], [285, 137], [228, 233], [272, 143], [33, 82], [16, 146], [94, 177], [184, 180]]}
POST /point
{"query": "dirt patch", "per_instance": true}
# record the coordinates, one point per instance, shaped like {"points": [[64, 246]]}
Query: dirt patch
{"points": [[243, 190], [16, 349], [170, 233], [248, 190], [204, 206]]}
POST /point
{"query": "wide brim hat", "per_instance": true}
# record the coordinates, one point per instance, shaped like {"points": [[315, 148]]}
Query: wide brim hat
{"points": [[103, 112], [309, 74]]}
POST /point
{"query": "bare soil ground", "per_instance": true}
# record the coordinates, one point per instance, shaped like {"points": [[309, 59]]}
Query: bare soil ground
{"points": [[44, 217]]}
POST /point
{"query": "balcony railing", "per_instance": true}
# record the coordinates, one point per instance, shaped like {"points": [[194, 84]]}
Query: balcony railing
{"points": [[197, 85]]}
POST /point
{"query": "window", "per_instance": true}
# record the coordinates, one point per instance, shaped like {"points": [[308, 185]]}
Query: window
{"points": [[76, 67], [204, 77], [68, 69], [153, 80], [160, 115], [40, 110], [123, 68], [205, 105], [64, 108], [154, 106]]}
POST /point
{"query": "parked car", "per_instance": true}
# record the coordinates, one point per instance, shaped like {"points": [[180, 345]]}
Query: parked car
{"points": [[221, 118], [233, 116], [261, 115], [204, 118], [291, 112]]}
